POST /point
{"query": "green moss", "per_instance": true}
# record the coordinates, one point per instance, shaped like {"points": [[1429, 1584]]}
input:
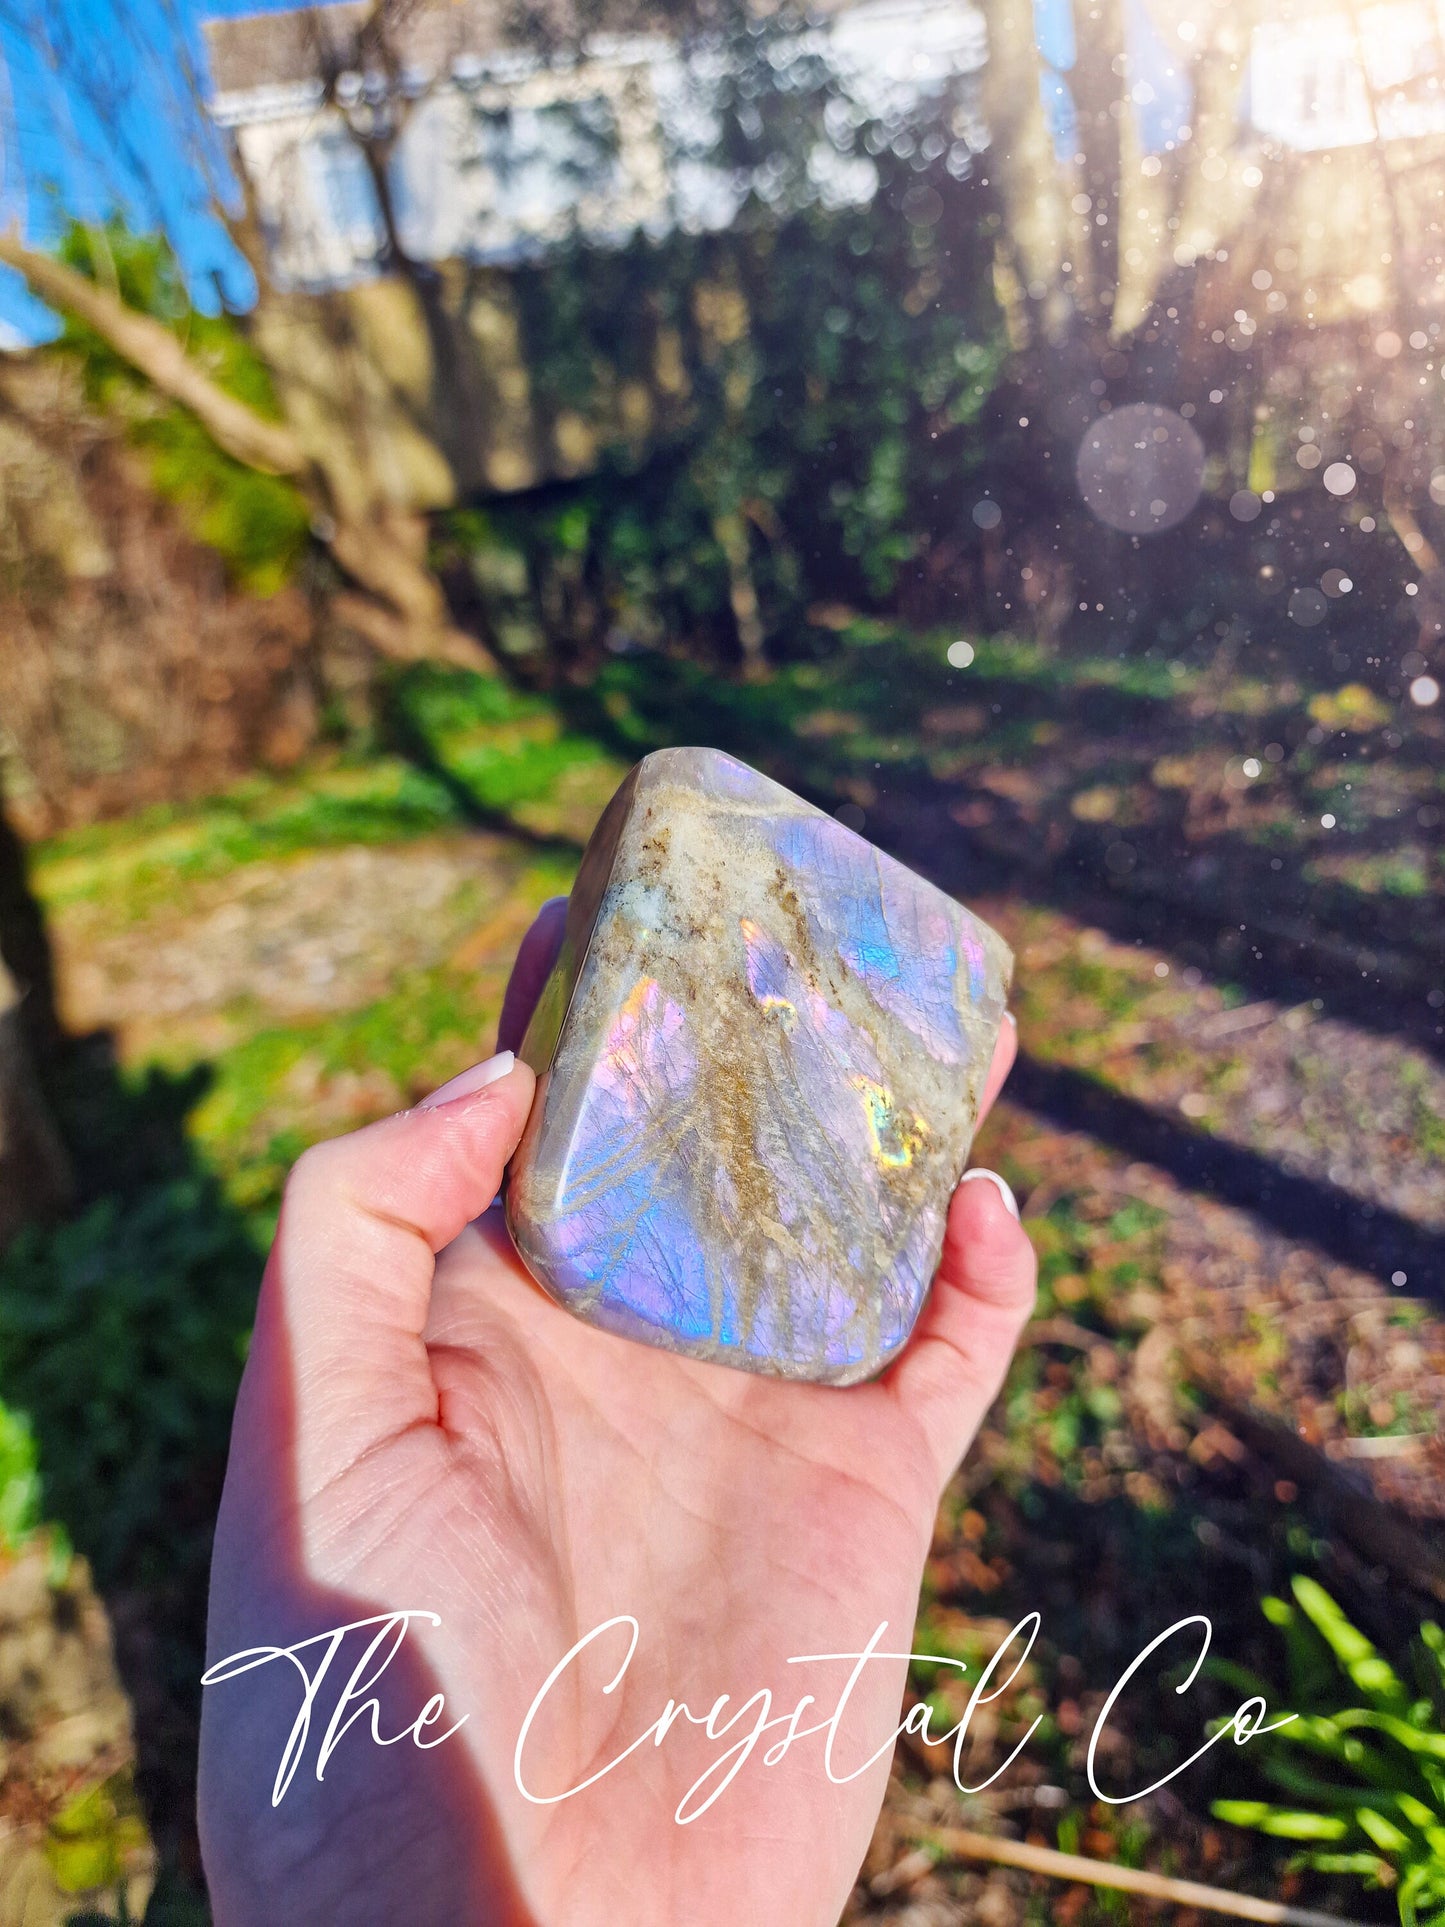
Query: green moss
{"points": [[133, 867], [503, 747], [1429, 1132], [258, 524], [93, 1838]]}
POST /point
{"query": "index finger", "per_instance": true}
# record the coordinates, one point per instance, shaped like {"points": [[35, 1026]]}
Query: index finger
{"points": [[535, 958], [1005, 1050]]}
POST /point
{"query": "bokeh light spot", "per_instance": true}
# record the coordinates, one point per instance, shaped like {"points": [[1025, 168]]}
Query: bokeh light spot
{"points": [[1307, 607], [922, 205], [1140, 468]]}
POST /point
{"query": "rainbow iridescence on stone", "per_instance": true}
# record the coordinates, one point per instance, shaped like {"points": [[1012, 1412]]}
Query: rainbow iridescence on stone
{"points": [[759, 1060]]}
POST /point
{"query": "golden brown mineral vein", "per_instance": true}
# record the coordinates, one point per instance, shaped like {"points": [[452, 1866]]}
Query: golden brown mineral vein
{"points": [[759, 1060]]}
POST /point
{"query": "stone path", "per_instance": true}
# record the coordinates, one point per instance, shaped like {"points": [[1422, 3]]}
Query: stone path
{"points": [[320, 932]]}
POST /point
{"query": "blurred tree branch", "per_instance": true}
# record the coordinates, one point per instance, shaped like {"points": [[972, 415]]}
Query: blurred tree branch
{"points": [[379, 554], [381, 549], [153, 351]]}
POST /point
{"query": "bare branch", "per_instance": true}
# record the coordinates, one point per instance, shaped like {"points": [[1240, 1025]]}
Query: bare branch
{"points": [[153, 351]]}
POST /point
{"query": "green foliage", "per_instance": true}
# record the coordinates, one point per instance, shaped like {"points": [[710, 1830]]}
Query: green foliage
{"points": [[122, 1335], [93, 1837], [1366, 1779], [259, 524], [837, 361], [19, 1479]]}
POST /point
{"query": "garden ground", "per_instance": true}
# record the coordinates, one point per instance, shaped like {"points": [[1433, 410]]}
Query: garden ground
{"points": [[1226, 1130]]}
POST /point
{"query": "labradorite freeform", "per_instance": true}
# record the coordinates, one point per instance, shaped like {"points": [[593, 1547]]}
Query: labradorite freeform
{"points": [[759, 1060]]}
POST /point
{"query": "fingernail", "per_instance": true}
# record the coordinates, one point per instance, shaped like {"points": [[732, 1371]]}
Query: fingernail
{"points": [[476, 1079], [993, 1177], [1009, 1018]]}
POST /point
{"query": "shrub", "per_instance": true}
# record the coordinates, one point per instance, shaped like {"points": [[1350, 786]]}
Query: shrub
{"points": [[1366, 1779], [122, 1335]]}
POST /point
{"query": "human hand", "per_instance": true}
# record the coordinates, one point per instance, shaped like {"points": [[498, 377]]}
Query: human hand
{"points": [[421, 1427]]}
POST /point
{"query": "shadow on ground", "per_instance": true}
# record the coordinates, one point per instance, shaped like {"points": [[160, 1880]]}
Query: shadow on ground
{"points": [[1315, 1212], [1218, 880], [122, 1336]]}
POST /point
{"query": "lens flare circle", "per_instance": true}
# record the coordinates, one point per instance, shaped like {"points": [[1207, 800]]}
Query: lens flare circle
{"points": [[1140, 468]]}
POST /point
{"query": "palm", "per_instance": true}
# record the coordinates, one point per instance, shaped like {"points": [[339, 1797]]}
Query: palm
{"points": [[774, 1520], [527, 1478]]}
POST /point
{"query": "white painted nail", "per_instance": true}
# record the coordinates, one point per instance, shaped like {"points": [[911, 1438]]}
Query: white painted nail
{"points": [[476, 1079], [993, 1177]]}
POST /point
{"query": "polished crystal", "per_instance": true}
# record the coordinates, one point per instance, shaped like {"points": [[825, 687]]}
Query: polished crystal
{"points": [[759, 1060]]}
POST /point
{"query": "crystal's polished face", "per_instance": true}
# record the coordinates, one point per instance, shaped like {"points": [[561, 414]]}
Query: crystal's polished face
{"points": [[759, 1057]]}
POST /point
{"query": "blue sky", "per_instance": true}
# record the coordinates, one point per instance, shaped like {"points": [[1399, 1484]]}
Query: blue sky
{"points": [[69, 164]]}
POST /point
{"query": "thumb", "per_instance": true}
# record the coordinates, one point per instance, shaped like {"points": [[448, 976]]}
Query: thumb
{"points": [[348, 1284], [953, 1366]]}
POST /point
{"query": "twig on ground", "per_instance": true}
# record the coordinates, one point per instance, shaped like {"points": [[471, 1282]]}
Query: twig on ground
{"points": [[960, 1843]]}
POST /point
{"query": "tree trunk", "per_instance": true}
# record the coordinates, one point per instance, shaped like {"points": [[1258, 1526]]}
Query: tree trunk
{"points": [[35, 1176], [730, 532], [35, 1179], [1146, 242], [1101, 106], [1024, 173], [383, 551], [1211, 204]]}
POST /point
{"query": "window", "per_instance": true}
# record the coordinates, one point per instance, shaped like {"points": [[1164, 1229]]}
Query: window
{"points": [[543, 160], [344, 196]]}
